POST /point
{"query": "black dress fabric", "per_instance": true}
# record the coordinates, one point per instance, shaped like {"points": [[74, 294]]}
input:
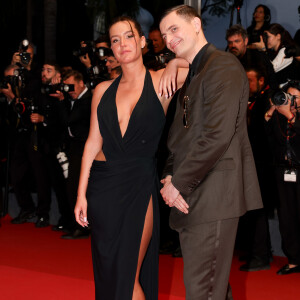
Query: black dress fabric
{"points": [[119, 192]]}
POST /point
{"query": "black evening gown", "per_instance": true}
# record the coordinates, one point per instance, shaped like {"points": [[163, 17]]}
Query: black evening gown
{"points": [[119, 191]]}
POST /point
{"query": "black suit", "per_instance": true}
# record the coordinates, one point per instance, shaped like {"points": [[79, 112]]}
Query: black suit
{"points": [[77, 122]]}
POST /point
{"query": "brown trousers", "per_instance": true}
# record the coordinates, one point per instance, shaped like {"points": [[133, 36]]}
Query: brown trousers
{"points": [[207, 251]]}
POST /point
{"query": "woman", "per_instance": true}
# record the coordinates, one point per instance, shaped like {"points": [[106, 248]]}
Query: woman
{"points": [[118, 175], [283, 127], [260, 22], [280, 48]]}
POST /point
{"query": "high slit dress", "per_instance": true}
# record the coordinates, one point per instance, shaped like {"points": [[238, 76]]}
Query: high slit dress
{"points": [[119, 191]]}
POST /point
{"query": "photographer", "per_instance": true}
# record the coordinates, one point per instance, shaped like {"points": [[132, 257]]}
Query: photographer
{"points": [[282, 122], [156, 55], [281, 50], [27, 154], [253, 226], [54, 141], [76, 115], [93, 55]]}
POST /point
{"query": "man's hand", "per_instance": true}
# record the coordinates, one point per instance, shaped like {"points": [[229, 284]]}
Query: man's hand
{"points": [[36, 118], [172, 196], [59, 95], [8, 93]]}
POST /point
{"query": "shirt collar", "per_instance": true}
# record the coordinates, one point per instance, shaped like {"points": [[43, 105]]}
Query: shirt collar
{"points": [[82, 93], [197, 59]]}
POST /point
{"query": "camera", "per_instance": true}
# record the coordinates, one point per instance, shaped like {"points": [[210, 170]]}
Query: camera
{"points": [[25, 105], [52, 88], [24, 56], [102, 52], [88, 49], [10, 79], [281, 98], [164, 58]]}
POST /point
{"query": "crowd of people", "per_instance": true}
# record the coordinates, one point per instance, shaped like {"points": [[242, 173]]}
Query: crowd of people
{"points": [[50, 120]]}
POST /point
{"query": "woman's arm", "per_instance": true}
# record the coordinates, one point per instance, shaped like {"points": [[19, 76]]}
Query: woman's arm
{"points": [[92, 147], [172, 77]]}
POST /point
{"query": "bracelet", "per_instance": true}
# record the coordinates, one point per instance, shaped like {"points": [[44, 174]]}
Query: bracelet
{"points": [[267, 115], [291, 119]]}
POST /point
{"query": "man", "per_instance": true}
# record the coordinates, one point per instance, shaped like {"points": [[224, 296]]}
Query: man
{"points": [[237, 42], [158, 43], [111, 64], [76, 113], [54, 145], [210, 174], [254, 227], [27, 154]]}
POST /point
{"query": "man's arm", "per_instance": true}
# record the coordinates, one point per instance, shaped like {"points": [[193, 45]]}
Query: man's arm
{"points": [[224, 86]]}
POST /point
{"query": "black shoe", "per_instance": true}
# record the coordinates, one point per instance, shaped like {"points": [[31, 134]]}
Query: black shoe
{"points": [[255, 264], [177, 252], [42, 222], [285, 270], [23, 217], [77, 234], [61, 227]]}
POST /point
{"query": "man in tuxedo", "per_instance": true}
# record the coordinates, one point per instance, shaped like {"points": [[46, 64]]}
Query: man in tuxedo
{"points": [[210, 178], [76, 112]]}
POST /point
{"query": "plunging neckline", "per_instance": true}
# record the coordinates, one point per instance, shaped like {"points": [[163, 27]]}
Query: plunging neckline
{"points": [[116, 108]]}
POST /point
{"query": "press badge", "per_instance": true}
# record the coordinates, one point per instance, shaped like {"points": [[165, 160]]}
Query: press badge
{"points": [[290, 175]]}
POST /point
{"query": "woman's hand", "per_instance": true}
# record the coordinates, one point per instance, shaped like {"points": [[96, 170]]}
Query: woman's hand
{"points": [[261, 46], [80, 211], [285, 110], [168, 80]]}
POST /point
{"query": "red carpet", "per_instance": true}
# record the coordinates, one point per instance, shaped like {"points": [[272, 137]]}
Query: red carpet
{"points": [[36, 264]]}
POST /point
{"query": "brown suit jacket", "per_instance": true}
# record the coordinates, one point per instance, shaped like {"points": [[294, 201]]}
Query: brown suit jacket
{"points": [[211, 161]]}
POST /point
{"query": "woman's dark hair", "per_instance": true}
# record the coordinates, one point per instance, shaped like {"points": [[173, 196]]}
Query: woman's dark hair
{"points": [[127, 19], [267, 13], [286, 39]]}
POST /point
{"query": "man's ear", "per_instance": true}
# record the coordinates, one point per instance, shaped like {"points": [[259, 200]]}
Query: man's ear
{"points": [[197, 24], [261, 81], [246, 41]]}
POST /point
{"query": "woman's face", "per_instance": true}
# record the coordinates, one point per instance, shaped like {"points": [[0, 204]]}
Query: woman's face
{"points": [[259, 14], [126, 43], [273, 41], [296, 93]]}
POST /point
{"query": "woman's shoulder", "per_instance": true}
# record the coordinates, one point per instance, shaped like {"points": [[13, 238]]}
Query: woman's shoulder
{"points": [[103, 86]]}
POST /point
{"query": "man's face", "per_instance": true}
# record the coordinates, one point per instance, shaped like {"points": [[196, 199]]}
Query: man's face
{"points": [[48, 72], [111, 63], [157, 41], [255, 84], [179, 35], [78, 87], [237, 45]]}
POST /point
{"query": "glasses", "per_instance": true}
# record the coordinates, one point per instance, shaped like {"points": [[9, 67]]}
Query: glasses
{"points": [[185, 111]]}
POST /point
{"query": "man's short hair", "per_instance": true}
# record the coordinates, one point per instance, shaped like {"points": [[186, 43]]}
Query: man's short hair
{"points": [[185, 11], [259, 70], [236, 29], [77, 75], [53, 64]]}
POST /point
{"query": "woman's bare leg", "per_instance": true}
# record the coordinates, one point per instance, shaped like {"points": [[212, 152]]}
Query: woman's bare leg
{"points": [[138, 293]]}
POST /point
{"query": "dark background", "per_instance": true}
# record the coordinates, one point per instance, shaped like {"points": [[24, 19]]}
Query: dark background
{"points": [[74, 23]]}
